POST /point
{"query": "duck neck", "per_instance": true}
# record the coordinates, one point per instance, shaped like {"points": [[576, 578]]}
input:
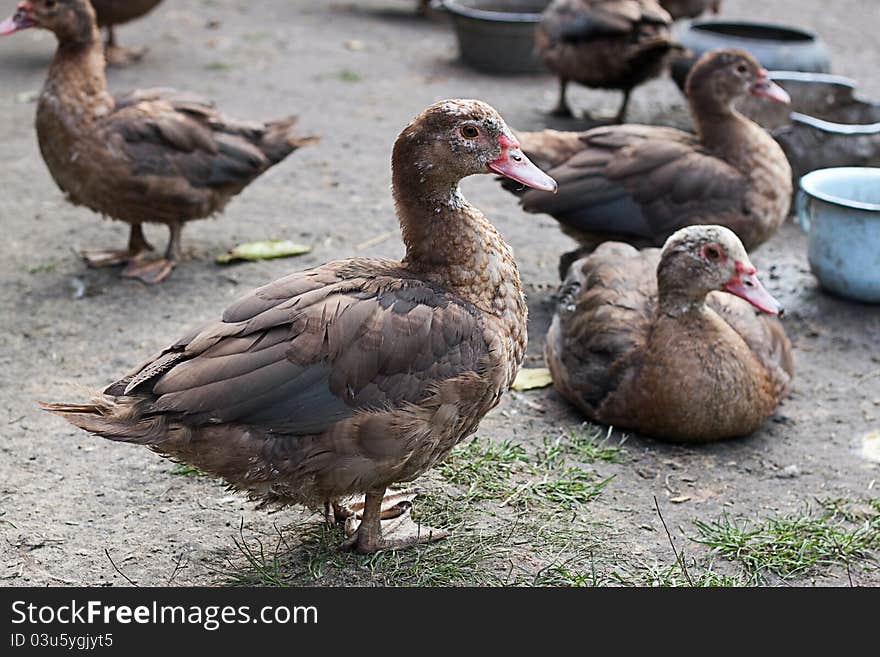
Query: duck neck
{"points": [[449, 242], [76, 78], [718, 124], [678, 294], [679, 306]]}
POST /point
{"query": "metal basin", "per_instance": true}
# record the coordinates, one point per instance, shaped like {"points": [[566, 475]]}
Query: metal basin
{"points": [[776, 47], [497, 36], [827, 124], [840, 210]]}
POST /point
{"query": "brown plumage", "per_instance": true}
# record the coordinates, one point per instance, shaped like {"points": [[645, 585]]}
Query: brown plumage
{"points": [[640, 183], [355, 375], [683, 362], [152, 155], [606, 44], [679, 9], [111, 13]]}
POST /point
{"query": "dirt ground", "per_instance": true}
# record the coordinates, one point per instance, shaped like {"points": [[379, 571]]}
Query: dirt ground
{"points": [[356, 72]]}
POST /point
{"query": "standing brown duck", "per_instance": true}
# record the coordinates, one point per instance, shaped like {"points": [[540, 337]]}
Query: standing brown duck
{"points": [[116, 12], [352, 376], [679, 9], [152, 155], [668, 342], [640, 183], [605, 44]]}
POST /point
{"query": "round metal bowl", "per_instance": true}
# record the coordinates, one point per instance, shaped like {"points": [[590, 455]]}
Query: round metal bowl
{"points": [[497, 36], [776, 47]]}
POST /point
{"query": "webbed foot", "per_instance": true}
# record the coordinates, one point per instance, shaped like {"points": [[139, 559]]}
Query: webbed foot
{"points": [[148, 271], [392, 528]]}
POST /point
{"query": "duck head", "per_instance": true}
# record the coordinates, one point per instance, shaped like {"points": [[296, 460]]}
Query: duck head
{"points": [[453, 139], [700, 259], [721, 76], [70, 20]]}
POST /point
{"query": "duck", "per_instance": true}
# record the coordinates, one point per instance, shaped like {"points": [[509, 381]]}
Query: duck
{"points": [[604, 44], [681, 344], [145, 156], [116, 12], [680, 9], [344, 379], [639, 184]]}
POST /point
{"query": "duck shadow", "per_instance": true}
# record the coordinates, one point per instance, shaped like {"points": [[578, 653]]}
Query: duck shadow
{"points": [[400, 15]]}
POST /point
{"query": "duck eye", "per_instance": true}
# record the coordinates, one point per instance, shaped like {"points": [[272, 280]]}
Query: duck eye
{"points": [[469, 131], [712, 253], [742, 69]]}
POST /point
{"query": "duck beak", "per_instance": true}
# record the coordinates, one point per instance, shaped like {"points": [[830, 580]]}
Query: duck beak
{"points": [[765, 87], [747, 286], [22, 19], [515, 165]]}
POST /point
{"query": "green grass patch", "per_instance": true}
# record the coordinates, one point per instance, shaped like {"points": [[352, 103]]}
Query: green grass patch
{"points": [[483, 468], [348, 76], [42, 267], [839, 533], [464, 558], [515, 514], [218, 66], [184, 470], [586, 444]]}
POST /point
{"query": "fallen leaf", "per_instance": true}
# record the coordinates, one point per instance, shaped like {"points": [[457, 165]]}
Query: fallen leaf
{"points": [[530, 378], [27, 96], [871, 446], [263, 251]]}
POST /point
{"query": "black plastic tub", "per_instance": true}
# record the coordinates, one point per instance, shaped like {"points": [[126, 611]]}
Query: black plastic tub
{"points": [[497, 36], [776, 47]]}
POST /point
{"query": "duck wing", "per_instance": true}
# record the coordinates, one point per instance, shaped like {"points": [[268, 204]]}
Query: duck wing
{"points": [[178, 135], [606, 308], [640, 181], [313, 348], [763, 333]]}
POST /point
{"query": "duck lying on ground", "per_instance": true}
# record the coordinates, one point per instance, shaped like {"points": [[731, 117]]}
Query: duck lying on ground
{"points": [[668, 343]]}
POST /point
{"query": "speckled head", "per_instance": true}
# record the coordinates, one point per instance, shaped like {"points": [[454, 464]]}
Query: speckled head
{"points": [[699, 259], [721, 76], [70, 20], [453, 139]]}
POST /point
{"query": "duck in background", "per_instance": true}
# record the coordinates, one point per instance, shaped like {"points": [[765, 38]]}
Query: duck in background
{"points": [[679, 9], [358, 374], [668, 343], [604, 44], [150, 155], [116, 12], [639, 184]]}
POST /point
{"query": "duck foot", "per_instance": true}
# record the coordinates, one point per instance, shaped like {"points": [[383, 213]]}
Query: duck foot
{"points": [[562, 112], [394, 504], [148, 271], [395, 528], [562, 109], [119, 57], [109, 257]]}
